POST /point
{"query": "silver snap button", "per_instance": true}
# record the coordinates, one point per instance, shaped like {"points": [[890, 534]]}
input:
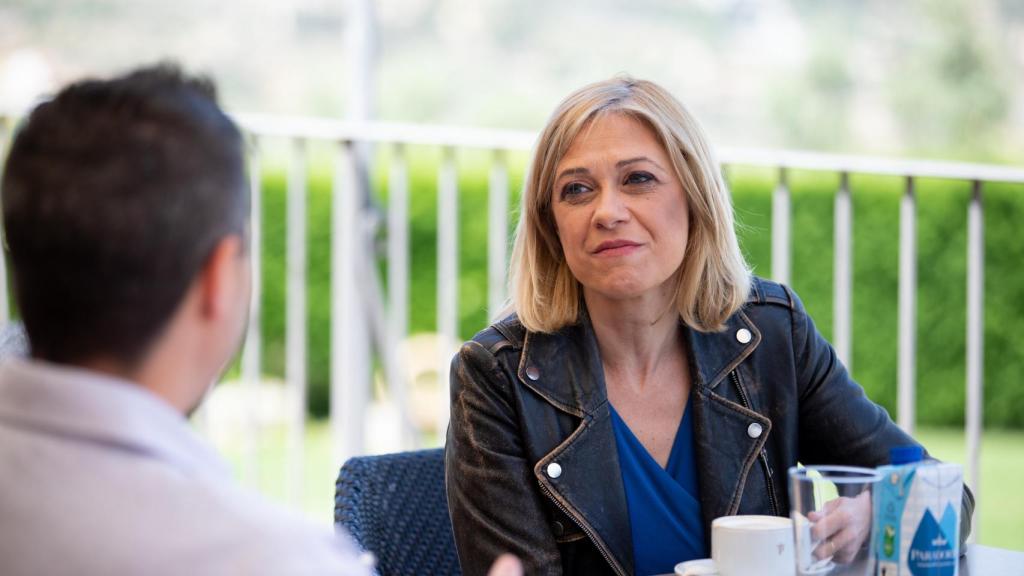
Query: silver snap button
{"points": [[743, 336], [554, 470], [754, 430], [532, 373]]}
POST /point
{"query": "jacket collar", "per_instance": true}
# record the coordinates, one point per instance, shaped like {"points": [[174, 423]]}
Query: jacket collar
{"points": [[715, 354], [565, 367]]}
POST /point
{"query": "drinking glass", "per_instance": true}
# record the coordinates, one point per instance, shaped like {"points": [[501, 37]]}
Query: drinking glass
{"points": [[832, 519]]}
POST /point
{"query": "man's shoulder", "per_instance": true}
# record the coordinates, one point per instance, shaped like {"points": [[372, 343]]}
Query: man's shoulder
{"points": [[256, 536], [110, 512]]}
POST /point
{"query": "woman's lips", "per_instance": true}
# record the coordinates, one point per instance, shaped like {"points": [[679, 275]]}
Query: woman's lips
{"points": [[616, 248]]}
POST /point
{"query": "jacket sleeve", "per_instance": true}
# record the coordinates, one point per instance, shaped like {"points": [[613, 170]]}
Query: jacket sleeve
{"points": [[493, 498], [838, 423]]}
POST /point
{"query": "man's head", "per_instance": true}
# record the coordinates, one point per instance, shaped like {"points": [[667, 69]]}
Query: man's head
{"points": [[118, 197]]}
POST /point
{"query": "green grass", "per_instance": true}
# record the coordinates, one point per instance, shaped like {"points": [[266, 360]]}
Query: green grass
{"points": [[1000, 504]]}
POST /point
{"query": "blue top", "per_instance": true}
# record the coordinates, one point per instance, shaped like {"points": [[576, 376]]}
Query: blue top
{"points": [[664, 509]]}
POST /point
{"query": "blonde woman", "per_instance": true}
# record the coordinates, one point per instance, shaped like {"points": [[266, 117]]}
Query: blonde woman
{"points": [[645, 382]]}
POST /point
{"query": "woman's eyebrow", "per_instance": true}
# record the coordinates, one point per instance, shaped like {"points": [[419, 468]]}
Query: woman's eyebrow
{"points": [[581, 171], [578, 171], [628, 161]]}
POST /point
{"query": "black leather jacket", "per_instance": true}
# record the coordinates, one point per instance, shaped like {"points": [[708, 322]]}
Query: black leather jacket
{"points": [[521, 401]]}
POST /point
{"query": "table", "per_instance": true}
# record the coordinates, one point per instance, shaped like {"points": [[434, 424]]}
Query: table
{"points": [[979, 561], [989, 561]]}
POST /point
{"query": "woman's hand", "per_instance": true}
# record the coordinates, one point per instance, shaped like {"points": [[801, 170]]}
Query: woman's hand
{"points": [[506, 565], [841, 527]]}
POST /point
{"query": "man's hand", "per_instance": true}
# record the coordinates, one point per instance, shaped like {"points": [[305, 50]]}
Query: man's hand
{"points": [[841, 527]]}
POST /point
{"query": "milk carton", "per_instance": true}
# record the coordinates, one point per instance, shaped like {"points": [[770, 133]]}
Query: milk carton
{"points": [[917, 517]]}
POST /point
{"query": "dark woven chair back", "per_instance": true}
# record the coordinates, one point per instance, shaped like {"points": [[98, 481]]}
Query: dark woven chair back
{"points": [[396, 507]]}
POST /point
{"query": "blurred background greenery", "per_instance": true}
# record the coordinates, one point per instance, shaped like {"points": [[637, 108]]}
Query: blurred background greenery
{"points": [[942, 246]]}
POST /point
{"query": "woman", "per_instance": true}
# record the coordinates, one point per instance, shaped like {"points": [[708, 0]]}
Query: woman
{"points": [[646, 383]]}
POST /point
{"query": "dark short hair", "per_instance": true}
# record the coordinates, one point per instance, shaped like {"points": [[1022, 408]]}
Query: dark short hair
{"points": [[114, 195]]}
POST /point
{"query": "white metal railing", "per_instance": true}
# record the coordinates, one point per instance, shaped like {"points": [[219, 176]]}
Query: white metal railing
{"points": [[5, 131], [351, 373], [359, 315]]}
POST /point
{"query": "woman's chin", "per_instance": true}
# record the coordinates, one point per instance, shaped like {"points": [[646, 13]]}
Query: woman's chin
{"points": [[622, 290]]}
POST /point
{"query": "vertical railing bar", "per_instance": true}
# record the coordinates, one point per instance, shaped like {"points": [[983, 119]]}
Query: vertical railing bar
{"points": [[295, 333], [350, 365], [251, 353], [398, 284], [781, 246], [907, 309], [447, 277], [5, 309], [975, 340], [843, 273], [497, 237]]}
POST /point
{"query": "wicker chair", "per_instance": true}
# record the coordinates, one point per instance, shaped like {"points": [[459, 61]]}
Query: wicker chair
{"points": [[395, 506]]}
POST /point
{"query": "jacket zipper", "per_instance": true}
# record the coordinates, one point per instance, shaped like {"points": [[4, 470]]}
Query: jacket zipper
{"points": [[764, 452], [586, 530]]}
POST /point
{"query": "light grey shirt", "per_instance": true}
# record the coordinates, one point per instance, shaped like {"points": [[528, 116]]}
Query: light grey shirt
{"points": [[100, 477]]}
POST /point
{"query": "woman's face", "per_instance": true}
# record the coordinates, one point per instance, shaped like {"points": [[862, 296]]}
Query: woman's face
{"points": [[620, 210]]}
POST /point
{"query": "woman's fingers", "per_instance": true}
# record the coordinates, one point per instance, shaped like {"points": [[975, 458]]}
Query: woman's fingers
{"points": [[832, 518], [506, 565], [842, 527]]}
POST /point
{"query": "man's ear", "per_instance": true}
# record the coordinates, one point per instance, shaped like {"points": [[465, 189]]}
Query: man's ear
{"points": [[221, 278]]}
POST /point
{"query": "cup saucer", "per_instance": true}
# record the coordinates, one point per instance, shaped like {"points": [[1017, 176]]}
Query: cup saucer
{"points": [[814, 570], [703, 567]]}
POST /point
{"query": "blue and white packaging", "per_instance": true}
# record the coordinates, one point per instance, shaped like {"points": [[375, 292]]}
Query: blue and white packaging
{"points": [[917, 519]]}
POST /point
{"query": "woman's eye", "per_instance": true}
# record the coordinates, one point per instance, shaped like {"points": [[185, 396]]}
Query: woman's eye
{"points": [[639, 178], [574, 189]]}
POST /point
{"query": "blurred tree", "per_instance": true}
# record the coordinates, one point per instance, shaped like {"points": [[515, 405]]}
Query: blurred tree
{"points": [[811, 108], [950, 92]]}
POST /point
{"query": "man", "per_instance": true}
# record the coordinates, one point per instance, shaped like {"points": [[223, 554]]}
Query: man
{"points": [[125, 206]]}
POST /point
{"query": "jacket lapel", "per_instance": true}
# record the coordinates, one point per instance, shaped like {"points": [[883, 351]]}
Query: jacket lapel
{"points": [[725, 450], [566, 370]]}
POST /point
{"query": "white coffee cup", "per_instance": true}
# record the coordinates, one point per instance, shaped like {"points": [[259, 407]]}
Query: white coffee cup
{"points": [[747, 546]]}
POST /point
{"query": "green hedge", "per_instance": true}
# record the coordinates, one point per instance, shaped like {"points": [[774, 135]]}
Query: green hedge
{"points": [[941, 324]]}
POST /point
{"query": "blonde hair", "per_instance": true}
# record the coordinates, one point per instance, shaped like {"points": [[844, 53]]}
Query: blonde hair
{"points": [[714, 281]]}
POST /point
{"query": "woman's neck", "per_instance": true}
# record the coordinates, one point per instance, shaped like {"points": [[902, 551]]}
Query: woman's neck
{"points": [[636, 335]]}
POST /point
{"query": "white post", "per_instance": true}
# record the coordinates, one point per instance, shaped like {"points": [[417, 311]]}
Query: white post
{"points": [[843, 274], [251, 361], [295, 336], [975, 341], [497, 234], [781, 230], [907, 309], [360, 36], [447, 277], [350, 351], [398, 284], [4, 298]]}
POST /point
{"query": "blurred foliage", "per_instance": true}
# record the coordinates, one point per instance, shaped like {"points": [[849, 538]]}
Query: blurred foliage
{"points": [[950, 90], [941, 237]]}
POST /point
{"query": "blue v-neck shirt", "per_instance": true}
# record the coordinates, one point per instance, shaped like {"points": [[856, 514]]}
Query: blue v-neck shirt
{"points": [[664, 504]]}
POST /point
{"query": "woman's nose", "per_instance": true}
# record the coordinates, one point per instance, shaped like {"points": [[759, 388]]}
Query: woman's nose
{"points": [[611, 209]]}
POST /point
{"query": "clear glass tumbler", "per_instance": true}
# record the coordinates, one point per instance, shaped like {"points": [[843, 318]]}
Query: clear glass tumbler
{"points": [[832, 519]]}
